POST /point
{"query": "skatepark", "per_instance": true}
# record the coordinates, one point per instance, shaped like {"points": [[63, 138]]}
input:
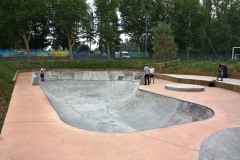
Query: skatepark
{"points": [[110, 115], [99, 101]]}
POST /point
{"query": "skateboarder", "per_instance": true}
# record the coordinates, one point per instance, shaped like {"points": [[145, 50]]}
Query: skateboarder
{"points": [[42, 72]]}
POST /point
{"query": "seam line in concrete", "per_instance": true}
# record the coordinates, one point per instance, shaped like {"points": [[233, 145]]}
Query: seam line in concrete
{"points": [[32, 122], [193, 149]]}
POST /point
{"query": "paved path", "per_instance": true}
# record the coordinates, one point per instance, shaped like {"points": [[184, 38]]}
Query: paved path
{"points": [[33, 131]]}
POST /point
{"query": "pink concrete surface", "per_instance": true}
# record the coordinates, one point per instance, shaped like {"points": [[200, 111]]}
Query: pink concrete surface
{"points": [[33, 131]]}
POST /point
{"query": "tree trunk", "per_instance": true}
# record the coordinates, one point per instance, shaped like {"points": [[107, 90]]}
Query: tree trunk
{"points": [[187, 52], [108, 51], [26, 38], [138, 47], [27, 47], [71, 43], [70, 51]]}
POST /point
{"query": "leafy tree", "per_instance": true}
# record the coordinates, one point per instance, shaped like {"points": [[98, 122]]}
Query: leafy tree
{"points": [[220, 29], [40, 34], [60, 39], [90, 32], [135, 16], [223, 30], [233, 19], [163, 42], [107, 22], [186, 23], [220, 34], [5, 40], [9, 39], [81, 46], [204, 23], [71, 16], [21, 16], [161, 11]]}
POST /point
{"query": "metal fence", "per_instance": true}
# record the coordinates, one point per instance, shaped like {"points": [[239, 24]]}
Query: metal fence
{"points": [[219, 54]]}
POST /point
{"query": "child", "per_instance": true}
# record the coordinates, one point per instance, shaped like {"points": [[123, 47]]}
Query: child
{"points": [[151, 70]]}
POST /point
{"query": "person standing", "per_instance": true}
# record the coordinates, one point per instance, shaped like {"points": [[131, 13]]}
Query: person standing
{"points": [[151, 71], [220, 71], [42, 71], [146, 75]]}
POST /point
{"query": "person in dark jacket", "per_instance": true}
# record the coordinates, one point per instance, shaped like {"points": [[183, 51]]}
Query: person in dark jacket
{"points": [[220, 71]]}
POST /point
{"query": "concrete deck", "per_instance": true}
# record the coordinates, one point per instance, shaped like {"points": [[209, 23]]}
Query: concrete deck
{"points": [[33, 130]]}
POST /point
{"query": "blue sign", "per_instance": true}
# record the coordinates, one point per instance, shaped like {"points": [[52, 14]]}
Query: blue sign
{"points": [[104, 54]]}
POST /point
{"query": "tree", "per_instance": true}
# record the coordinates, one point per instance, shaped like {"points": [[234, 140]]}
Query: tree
{"points": [[60, 39], [5, 40], [163, 42], [225, 23], [40, 34], [223, 30], [71, 17], [220, 29], [186, 23], [90, 32], [161, 11], [107, 22], [233, 19], [21, 16], [136, 19]]}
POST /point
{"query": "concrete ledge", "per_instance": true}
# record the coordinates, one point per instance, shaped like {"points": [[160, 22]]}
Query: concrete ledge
{"points": [[34, 80], [184, 87], [203, 82], [15, 77]]}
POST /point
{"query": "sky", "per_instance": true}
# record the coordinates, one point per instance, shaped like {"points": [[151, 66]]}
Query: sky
{"points": [[90, 1]]}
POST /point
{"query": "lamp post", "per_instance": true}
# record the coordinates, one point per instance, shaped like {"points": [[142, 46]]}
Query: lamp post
{"points": [[146, 34], [91, 29]]}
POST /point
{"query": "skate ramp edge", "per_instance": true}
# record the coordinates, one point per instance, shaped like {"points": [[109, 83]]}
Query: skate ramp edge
{"points": [[93, 75]]}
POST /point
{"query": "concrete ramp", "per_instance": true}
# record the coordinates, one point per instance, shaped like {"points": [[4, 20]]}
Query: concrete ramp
{"points": [[223, 145], [117, 105]]}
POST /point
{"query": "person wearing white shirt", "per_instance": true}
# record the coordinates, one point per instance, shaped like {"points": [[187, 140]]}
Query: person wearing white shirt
{"points": [[151, 70], [42, 72]]}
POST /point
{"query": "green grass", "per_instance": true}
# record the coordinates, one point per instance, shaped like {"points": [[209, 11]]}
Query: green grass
{"points": [[9, 68]]}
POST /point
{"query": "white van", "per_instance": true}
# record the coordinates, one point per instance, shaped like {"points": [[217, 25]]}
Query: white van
{"points": [[122, 55]]}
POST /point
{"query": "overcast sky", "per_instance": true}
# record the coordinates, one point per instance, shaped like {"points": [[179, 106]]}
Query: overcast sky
{"points": [[90, 1]]}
